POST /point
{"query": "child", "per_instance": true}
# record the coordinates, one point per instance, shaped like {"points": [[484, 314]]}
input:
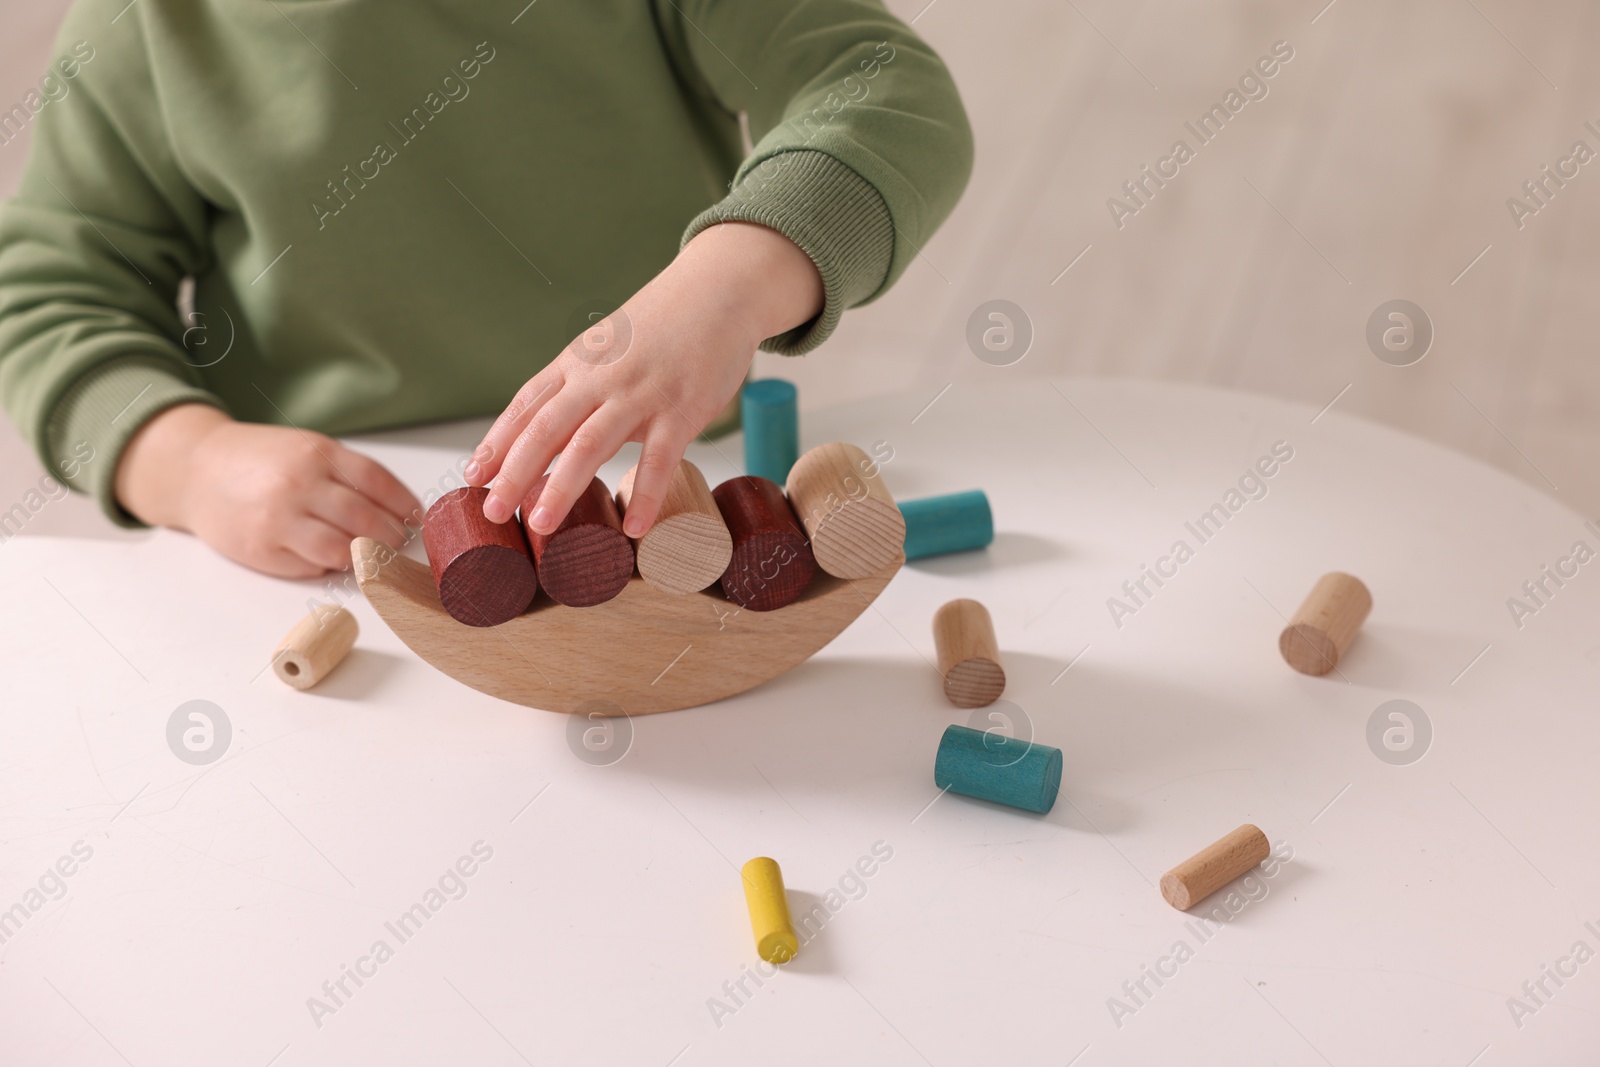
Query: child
{"points": [[399, 212]]}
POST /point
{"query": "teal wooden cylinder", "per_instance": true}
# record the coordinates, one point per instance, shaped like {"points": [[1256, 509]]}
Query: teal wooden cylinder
{"points": [[956, 522], [770, 414], [992, 766]]}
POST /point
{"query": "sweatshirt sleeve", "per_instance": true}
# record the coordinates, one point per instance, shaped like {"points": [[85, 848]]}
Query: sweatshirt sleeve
{"points": [[861, 145], [92, 249]]}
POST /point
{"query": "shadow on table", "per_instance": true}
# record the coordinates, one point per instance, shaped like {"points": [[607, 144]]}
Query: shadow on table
{"points": [[361, 674], [810, 917], [1009, 549]]}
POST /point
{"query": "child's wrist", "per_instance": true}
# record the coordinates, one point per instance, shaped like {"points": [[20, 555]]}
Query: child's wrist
{"points": [[154, 468], [774, 285]]}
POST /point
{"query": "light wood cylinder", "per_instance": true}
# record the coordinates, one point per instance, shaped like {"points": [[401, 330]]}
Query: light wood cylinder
{"points": [[317, 644], [850, 517], [969, 655], [688, 547], [1214, 866], [1321, 631]]}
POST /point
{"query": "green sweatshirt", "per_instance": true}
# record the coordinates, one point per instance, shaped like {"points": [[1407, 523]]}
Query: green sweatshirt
{"points": [[396, 211]]}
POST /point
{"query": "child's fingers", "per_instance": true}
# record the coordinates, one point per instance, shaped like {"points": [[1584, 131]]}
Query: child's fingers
{"points": [[318, 543], [596, 441], [356, 514], [492, 451], [373, 480], [530, 454], [658, 460]]}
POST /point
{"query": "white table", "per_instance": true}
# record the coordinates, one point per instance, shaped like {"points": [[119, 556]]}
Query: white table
{"points": [[1418, 899]]}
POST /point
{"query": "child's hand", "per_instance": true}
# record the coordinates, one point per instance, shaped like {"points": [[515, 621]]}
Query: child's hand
{"points": [[276, 499], [657, 371]]}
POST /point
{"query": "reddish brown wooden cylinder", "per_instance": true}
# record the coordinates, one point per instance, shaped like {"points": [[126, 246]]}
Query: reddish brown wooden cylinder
{"points": [[772, 562], [483, 569], [587, 560]]}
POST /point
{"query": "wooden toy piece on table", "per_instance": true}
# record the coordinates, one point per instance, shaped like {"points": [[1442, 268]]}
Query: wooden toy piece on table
{"points": [[769, 910], [956, 522], [643, 651], [969, 656], [991, 766], [769, 414], [317, 644], [1320, 633], [483, 570], [849, 515], [1214, 867], [587, 559], [688, 547], [771, 564]]}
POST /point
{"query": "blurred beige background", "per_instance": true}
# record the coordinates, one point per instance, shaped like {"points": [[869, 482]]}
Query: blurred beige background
{"points": [[1378, 166]]}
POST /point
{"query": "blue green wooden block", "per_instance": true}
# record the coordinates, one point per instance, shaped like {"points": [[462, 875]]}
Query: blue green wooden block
{"points": [[768, 409], [992, 766], [956, 522]]}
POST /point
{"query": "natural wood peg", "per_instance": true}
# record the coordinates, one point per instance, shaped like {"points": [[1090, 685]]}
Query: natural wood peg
{"points": [[482, 569], [689, 547], [1321, 631], [317, 644], [587, 559], [851, 518], [969, 656], [1214, 867], [772, 564]]}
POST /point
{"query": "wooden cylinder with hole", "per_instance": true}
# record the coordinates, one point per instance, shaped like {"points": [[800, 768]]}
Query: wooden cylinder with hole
{"points": [[317, 644], [587, 559], [688, 547], [838, 492], [1321, 631], [483, 570], [1214, 866], [969, 656], [771, 564]]}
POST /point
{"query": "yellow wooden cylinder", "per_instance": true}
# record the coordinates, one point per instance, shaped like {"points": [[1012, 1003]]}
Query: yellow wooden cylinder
{"points": [[769, 910]]}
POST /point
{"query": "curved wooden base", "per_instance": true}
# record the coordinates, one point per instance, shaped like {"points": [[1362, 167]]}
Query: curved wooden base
{"points": [[644, 651]]}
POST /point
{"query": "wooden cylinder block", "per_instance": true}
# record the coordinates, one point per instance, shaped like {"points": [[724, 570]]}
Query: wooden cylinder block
{"points": [[1321, 631], [587, 559], [969, 656], [956, 522], [855, 528], [991, 766], [689, 547], [483, 569], [317, 644], [769, 415], [1214, 867], [771, 563], [769, 910]]}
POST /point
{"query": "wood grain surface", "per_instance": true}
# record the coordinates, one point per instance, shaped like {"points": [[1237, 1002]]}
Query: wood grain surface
{"points": [[772, 564], [483, 570], [587, 559], [643, 651]]}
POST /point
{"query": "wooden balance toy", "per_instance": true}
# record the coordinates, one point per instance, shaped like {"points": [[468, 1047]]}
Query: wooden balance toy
{"points": [[647, 649]]}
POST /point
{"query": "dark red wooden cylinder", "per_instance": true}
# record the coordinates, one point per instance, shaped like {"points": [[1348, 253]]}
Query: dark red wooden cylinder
{"points": [[588, 559], [772, 562], [483, 569]]}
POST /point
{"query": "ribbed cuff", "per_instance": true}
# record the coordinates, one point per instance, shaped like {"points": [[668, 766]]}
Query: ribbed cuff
{"points": [[836, 217], [98, 415]]}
